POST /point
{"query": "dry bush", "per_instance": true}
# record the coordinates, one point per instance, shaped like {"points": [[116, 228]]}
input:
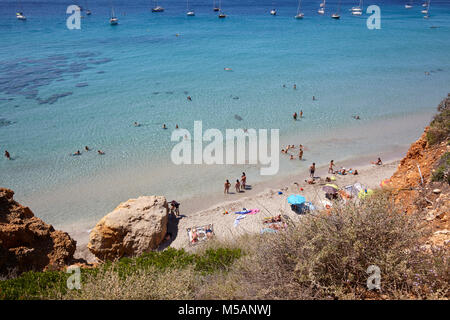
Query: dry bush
{"points": [[145, 284], [326, 257]]}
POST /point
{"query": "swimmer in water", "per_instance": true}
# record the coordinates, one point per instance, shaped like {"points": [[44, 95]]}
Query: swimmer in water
{"points": [[87, 148], [295, 115], [189, 98], [136, 124], [164, 126], [314, 98], [295, 86], [301, 113], [100, 152], [78, 153], [176, 127], [7, 155]]}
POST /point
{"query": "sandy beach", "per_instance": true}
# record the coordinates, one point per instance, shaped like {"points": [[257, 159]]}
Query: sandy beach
{"points": [[209, 209]]}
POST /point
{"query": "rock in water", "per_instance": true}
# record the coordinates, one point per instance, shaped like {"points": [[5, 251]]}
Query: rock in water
{"points": [[27, 242], [134, 227]]}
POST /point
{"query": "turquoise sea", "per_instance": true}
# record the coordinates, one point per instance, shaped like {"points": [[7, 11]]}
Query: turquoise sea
{"points": [[61, 90]]}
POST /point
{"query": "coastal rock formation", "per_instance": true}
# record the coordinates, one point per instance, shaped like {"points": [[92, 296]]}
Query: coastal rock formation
{"points": [[28, 243], [414, 190], [134, 227]]}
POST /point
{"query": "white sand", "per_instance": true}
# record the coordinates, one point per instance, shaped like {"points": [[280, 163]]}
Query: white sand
{"points": [[209, 209], [270, 203]]}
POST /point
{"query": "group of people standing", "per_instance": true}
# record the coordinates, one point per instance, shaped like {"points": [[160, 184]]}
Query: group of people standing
{"points": [[240, 186], [300, 115], [300, 151]]}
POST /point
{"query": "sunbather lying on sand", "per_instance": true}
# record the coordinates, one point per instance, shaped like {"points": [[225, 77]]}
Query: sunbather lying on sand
{"points": [[378, 162]]}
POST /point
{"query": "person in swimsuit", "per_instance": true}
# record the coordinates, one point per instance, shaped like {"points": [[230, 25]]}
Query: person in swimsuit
{"points": [[312, 169], [330, 168], [243, 180], [301, 113], [175, 208], [300, 154], [227, 186], [100, 152], [378, 162], [7, 155], [295, 115], [237, 186]]}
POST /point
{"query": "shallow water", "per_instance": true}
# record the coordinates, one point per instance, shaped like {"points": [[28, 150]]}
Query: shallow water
{"points": [[61, 90]]}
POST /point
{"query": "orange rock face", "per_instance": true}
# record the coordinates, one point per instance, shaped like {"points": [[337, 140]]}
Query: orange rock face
{"points": [[407, 177], [28, 243]]}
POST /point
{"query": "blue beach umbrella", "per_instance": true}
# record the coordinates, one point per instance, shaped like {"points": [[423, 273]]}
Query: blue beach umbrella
{"points": [[296, 199]]}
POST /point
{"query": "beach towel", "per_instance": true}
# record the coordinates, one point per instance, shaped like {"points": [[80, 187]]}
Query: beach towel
{"points": [[236, 221], [253, 211]]}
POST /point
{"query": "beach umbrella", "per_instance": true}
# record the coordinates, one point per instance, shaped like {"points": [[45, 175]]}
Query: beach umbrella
{"points": [[296, 199], [332, 186], [365, 193], [329, 189]]}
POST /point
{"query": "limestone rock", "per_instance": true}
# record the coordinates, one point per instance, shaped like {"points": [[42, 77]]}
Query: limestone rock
{"points": [[134, 227], [28, 243]]}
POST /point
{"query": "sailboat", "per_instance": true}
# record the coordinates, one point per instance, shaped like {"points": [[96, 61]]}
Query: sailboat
{"points": [[300, 14], [273, 11], [157, 8], [337, 15], [357, 11], [322, 8], [88, 12], [221, 14], [424, 4], [426, 16], [408, 5], [19, 14], [190, 13], [113, 21], [215, 8]]}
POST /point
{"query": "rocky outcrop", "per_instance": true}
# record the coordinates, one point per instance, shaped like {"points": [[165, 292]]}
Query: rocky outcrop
{"points": [[28, 243], [414, 190], [134, 227], [407, 180]]}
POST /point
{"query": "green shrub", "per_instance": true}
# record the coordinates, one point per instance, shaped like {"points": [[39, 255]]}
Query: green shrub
{"points": [[440, 125], [52, 284], [33, 285], [442, 172]]}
